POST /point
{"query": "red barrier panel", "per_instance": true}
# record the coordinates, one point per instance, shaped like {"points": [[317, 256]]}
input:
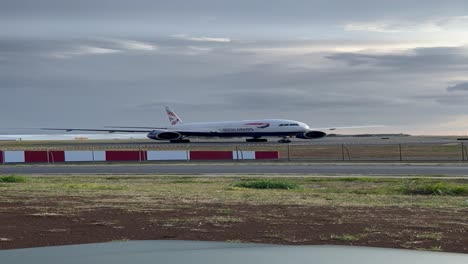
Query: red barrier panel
{"points": [[41, 156], [266, 155], [116, 155], [211, 155], [56, 156], [1, 157], [35, 156]]}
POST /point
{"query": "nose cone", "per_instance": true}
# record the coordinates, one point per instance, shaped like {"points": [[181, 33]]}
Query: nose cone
{"points": [[305, 126]]}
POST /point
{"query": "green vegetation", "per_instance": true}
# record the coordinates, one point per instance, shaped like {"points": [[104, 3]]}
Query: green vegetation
{"points": [[430, 235], [12, 179], [433, 188], [175, 191], [362, 179], [347, 237], [92, 186], [268, 184]]}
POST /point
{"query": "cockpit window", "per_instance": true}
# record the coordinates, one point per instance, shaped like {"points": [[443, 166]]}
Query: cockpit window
{"points": [[288, 124]]}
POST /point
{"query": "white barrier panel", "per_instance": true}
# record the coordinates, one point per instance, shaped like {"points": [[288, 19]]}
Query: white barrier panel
{"points": [[99, 155], [243, 155], [13, 156], [78, 155], [167, 155]]}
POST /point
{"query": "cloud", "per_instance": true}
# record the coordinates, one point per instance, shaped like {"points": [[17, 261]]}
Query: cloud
{"points": [[389, 27], [420, 59], [323, 101], [310, 87], [203, 39], [447, 100], [135, 45], [69, 48], [458, 87], [83, 50], [450, 23], [372, 27]]}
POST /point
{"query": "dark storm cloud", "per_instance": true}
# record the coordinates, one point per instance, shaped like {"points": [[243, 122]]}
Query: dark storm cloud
{"points": [[458, 87], [309, 102], [94, 63], [419, 59], [135, 84], [260, 18], [282, 10], [446, 100]]}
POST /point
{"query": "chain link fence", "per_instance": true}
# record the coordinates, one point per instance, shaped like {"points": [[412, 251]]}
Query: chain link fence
{"points": [[456, 151]]}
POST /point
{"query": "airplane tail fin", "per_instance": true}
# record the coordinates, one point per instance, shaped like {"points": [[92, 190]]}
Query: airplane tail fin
{"points": [[173, 118]]}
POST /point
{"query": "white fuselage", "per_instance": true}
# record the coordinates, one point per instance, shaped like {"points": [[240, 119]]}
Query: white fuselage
{"points": [[250, 128]]}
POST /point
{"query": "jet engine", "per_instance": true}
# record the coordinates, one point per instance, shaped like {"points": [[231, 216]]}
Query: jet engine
{"points": [[312, 135], [164, 135]]}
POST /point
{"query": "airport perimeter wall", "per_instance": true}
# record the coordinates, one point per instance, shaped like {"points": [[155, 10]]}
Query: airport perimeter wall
{"points": [[56, 156]]}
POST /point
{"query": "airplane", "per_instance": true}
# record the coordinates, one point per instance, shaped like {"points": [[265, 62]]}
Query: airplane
{"points": [[253, 130]]}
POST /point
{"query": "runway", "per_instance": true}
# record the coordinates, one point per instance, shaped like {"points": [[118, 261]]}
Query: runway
{"points": [[245, 168]]}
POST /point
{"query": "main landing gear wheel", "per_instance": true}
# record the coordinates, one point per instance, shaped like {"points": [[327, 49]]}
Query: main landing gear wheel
{"points": [[180, 141], [284, 141], [256, 140]]}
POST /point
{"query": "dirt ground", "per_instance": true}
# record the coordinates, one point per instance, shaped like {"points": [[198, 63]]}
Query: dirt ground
{"points": [[23, 226]]}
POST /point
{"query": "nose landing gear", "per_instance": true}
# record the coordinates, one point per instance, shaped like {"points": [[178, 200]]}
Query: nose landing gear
{"points": [[284, 140]]}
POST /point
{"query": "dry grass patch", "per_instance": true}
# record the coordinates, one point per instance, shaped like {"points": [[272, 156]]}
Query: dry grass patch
{"points": [[347, 237], [45, 214], [430, 235]]}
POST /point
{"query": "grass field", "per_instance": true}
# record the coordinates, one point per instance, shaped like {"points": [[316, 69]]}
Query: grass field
{"points": [[328, 191], [418, 213]]}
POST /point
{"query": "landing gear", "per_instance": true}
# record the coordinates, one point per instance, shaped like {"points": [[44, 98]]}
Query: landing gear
{"points": [[256, 140], [284, 140], [180, 141]]}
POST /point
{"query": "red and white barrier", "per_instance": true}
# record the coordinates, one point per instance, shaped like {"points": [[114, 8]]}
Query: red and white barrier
{"points": [[13, 156], [167, 155], [53, 156], [211, 155], [76, 156], [125, 155]]}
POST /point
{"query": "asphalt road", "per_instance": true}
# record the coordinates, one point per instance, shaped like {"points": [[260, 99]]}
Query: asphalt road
{"points": [[244, 168]]}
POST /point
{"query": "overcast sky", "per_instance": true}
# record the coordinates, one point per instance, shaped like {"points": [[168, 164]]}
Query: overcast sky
{"points": [[93, 63]]}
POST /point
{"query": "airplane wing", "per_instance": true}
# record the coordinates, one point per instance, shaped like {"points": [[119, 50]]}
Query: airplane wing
{"points": [[154, 128], [347, 127], [99, 130]]}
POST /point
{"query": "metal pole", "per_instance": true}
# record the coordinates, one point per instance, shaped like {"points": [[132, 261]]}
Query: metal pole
{"points": [[401, 156], [342, 152], [463, 151], [47, 151], [289, 152]]}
